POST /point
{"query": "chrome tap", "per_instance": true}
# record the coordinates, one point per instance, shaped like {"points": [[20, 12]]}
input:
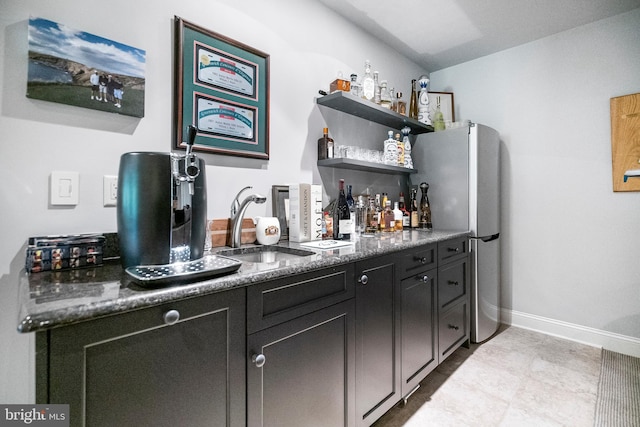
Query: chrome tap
{"points": [[237, 213]]}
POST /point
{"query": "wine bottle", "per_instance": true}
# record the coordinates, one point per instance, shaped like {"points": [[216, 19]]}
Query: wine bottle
{"points": [[425, 208], [352, 208], [341, 216], [413, 208], [406, 215]]}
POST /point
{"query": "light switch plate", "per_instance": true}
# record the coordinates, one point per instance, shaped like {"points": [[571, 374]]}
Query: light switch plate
{"points": [[64, 188]]}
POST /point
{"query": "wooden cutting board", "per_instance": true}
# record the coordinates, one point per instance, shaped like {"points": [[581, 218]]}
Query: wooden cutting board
{"points": [[625, 141], [221, 232]]}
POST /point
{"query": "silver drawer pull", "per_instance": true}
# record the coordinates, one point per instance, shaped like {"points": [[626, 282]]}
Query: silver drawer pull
{"points": [[258, 360], [364, 279], [171, 317], [423, 278], [454, 327], [453, 282], [453, 249], [421, 259]]}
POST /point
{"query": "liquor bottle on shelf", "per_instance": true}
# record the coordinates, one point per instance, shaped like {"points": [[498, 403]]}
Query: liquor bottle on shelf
{"points": [[406, 144], [438, 120], [425, 209], [397, 215], [413, 208], [355, 89], [368, 85], [402, 105], [376, 88], [390, 150], [385, 97], [413, 102], [324, 152], [341, 216], [423, 101], [389, 218], [406, 216], [394, 101], [400, 146]]}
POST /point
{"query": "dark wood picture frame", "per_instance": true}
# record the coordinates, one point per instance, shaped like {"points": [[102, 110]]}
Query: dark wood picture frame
{"points": [[222, 88]]}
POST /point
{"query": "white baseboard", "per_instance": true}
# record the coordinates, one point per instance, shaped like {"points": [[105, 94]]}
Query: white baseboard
{"points": [[582, 334]]}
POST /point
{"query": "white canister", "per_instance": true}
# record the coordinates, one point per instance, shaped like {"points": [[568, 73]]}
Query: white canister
{"points": [[267, 230]]}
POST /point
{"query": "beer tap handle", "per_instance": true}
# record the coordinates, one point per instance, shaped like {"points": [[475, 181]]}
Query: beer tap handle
{"points": [[192, 168]]}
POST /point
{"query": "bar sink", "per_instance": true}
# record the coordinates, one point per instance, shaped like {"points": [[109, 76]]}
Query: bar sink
{"points": [[264, 254]]}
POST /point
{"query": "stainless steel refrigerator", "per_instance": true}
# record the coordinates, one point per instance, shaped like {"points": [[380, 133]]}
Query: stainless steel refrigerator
{"points": [[462, 168]]}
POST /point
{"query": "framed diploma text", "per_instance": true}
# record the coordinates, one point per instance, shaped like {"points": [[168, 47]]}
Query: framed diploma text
{"points": [[222, 88]]}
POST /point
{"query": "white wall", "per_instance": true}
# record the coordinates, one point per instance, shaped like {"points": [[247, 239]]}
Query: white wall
{"points": [[307, 44], [570, 244]]}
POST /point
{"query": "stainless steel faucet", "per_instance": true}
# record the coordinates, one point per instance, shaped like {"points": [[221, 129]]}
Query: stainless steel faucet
{"points": [[237, 213]]}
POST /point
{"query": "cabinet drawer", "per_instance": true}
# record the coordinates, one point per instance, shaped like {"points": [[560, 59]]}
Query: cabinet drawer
{"points": [[277, 301], [453, 280], [451, 250], [453, 329], [416, 260]]}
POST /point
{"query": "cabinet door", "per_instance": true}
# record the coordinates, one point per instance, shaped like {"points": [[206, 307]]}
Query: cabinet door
{"points": [[301, 372], [377, 339], [139, 368], [419, 320]]}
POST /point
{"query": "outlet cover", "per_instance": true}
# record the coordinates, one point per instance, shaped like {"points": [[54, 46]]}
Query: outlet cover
{"points": [[110, 190]]}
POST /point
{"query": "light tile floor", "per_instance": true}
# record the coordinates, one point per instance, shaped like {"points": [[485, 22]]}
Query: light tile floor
{"points": [[517, 378]]}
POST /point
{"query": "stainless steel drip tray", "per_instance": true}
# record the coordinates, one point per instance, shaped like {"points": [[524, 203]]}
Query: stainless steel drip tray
{"points": [[203, 268]]}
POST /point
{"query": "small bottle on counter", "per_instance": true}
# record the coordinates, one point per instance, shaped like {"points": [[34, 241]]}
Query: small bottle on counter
{"points": [[406, 216], [397, 215], [371, 226], [389, 218]]}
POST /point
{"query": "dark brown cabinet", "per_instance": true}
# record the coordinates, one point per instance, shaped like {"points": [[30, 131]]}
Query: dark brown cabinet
{"points": [[176, 364], [453, 296], [301, 350], [418, 317], [378, 385], [336, 346]]}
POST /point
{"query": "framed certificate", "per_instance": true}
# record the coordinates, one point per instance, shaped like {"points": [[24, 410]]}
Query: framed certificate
{"points": [[222, 88]]}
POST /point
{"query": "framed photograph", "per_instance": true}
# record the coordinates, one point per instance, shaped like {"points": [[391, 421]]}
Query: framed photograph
{"points": [[445, 100], [280, 208], [222, 88], [77, 68]]}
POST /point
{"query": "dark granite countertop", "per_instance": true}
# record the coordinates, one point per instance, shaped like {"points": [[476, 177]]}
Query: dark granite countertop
{"points": [[51, 299]]}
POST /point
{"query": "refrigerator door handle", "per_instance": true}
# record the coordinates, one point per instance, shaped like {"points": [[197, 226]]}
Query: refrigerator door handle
{"points": [[489, 238]]}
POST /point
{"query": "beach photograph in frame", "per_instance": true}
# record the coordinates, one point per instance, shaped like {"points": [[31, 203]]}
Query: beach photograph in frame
{"points": [[221, 88], [77, 68]]}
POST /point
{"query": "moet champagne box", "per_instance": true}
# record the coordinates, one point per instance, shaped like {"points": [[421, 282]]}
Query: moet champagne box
{"points": [[299, 212], [316, 212]]}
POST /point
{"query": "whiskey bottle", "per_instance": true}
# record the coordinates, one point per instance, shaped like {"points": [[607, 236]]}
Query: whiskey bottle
{"points": [[368, 86], [389, 218], [324, 152], [371, 226], [406, 216], [376, 86], [341, 216], [425, 209], [402, 106]]}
